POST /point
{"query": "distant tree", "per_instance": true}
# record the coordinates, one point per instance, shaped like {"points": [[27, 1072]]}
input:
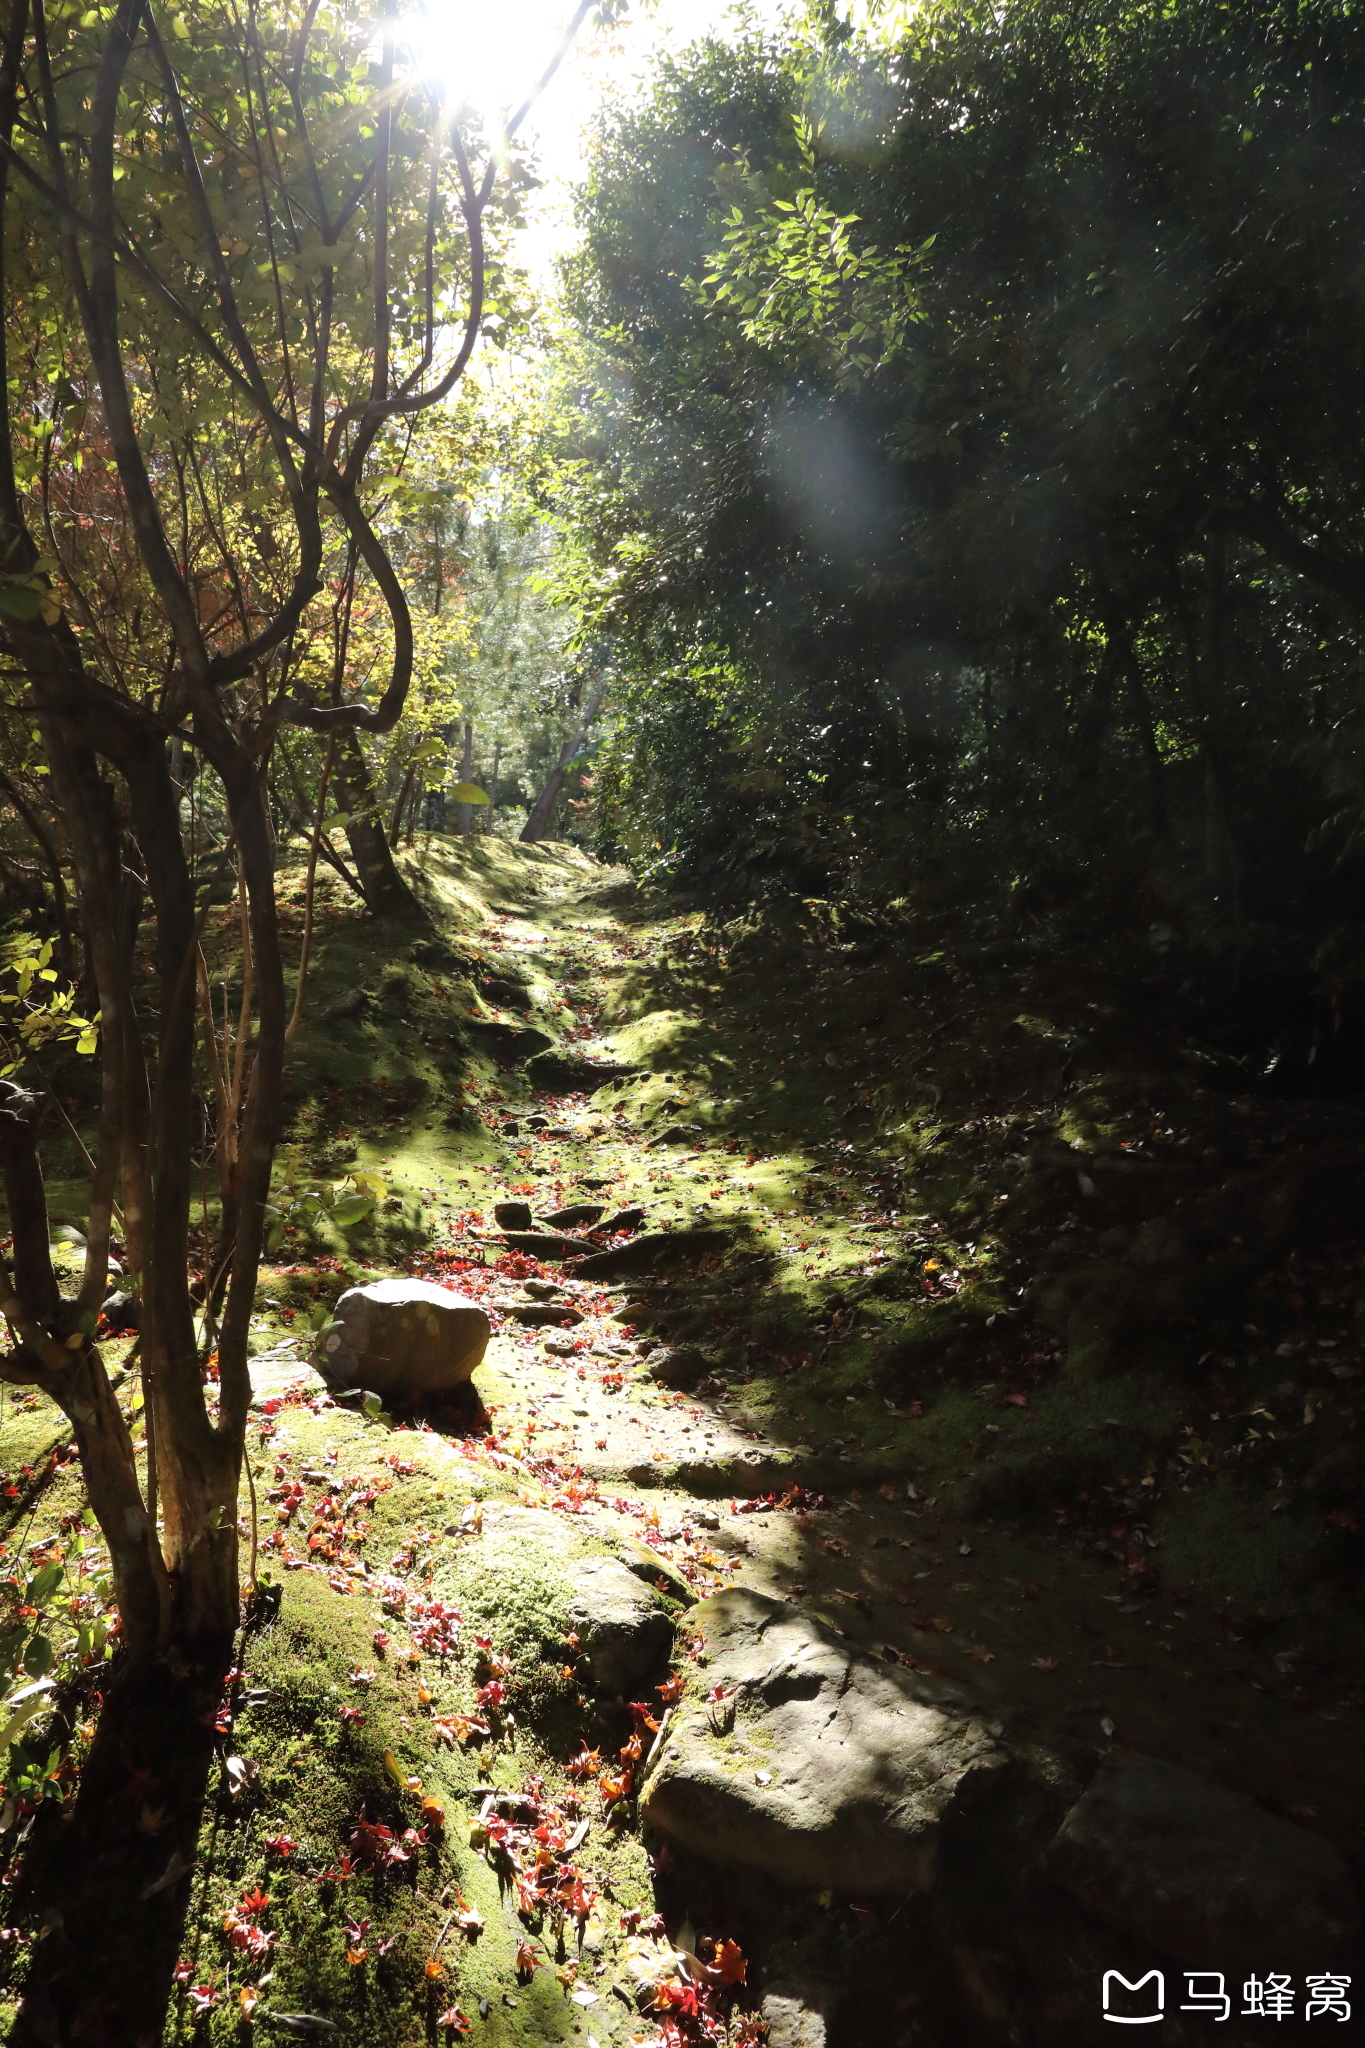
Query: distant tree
{"points": [[969, 437]]}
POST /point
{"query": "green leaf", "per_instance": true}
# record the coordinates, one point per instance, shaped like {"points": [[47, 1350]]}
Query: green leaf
{"points": [[352, 1209], [467, 793], [19, 601], [38, 1657]]}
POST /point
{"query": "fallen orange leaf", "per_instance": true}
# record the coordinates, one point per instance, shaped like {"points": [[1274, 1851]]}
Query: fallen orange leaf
{"points": [[731, 1963], [1043, 1663], [980, 1654]]}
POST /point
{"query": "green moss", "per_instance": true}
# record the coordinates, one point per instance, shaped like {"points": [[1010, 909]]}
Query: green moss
{"points": [[31, 1428], [1222, 1539], [511, 1585], [314, 1771]]}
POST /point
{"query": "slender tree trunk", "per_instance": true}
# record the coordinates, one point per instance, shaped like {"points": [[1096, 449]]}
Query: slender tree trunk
{"points": [[1220, 848], [310, 895], [417, 797], [74, 1377], [493, 788], [386, 893], [467, 775], [535, 825], [396, 823]]}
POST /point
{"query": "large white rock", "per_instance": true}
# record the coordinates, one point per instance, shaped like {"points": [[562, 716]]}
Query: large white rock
{"points": [[398, 1337]]}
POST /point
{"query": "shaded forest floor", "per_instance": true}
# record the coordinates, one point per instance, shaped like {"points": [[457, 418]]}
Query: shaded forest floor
{"points": [[1032, 1355]]}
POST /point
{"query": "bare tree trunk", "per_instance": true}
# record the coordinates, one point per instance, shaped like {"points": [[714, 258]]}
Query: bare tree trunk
{"points": [[467, 775], [534, 828], [310, 895], [416, 800], [493, 788], [74, 1377], [386, 893], [396, 822]]}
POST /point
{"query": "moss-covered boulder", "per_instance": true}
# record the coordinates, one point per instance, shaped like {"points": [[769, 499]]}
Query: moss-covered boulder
{"points": [[624, 1633], [549, 1592], [820, 1765]]}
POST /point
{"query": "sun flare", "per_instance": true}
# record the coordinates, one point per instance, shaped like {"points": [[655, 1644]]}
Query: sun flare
{"points": [[485, 58]]}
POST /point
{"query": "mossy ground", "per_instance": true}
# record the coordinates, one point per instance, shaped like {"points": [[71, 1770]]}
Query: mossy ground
{"points": [[332, 1723], [930, 1142]]}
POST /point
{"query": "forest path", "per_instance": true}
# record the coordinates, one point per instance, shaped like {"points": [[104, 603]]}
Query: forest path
{"points": [[897, 1429], [730, 1124]]}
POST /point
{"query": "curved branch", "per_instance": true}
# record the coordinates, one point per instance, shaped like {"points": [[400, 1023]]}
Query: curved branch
{"points": [[386, 714], [1344, 577]]}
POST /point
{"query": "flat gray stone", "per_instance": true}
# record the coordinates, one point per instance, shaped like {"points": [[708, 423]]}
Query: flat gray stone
{"points": [[656, 1571], [656, 1248], [276, 1373], [1190, 1869], [515, 1041], [399, 1337], [826, 1768], [537, 1315], [621, 1220]]}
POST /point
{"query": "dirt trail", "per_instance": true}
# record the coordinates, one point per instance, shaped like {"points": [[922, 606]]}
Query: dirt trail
{"points": [[722, 1130]]}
